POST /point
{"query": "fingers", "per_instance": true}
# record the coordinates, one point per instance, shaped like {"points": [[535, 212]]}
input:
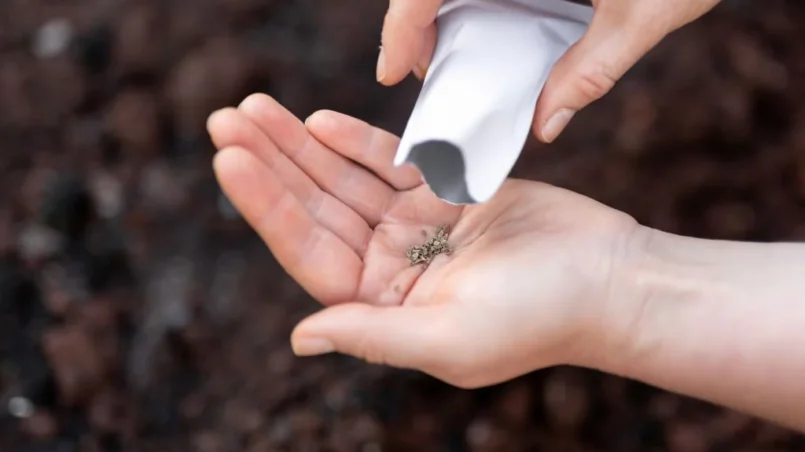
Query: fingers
{"points": [[428, 48], [369, 146], [318, 260], [410, 337], [616, 39], [230, 127], [354, 186], [408, 39]]}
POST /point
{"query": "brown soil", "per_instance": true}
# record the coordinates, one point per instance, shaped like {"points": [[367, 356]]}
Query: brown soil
{"points": [[139, 313]]}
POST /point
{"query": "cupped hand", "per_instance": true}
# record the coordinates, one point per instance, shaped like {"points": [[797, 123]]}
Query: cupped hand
{"points": [[621, 32], [532, 280]]}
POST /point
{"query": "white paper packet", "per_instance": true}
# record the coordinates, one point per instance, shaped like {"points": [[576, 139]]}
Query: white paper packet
{"points": [[476, 106]]}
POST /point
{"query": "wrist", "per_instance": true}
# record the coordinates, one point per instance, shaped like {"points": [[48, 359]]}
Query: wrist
{"points": [[711, 319], [644, 284], [610, 323]]}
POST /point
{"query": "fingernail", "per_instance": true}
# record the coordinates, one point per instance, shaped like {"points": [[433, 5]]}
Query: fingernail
{"points": [[554, 126], [312, 346], [420, 72], [381, 66]]}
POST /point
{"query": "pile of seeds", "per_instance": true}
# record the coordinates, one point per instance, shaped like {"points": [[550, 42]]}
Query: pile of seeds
{"points": [[426, 252]]}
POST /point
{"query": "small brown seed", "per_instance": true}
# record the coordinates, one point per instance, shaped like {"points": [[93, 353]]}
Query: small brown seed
{"points": [[424, 253]]}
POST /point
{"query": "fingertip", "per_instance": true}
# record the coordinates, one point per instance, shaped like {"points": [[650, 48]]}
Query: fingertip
{"points": [[536, 129], [312, 346], [270, 115], [246, 182], [550, 130], [392, 70], [230, 161], [227, 167], [217, 163], [213, 117], [391, 80], [226, 128], [219, 118], [419, 73], [401, 49], [307, 340], [298, 331], [310, 341], [301, 332], [275, 121], [321, 120], [260, 103], [381, 66]]}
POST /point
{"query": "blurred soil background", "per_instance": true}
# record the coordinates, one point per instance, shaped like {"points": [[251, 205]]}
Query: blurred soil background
{"points": [[139, 313]]}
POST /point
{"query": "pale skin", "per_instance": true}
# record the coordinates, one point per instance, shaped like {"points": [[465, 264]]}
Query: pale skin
{"points": [[540, 276], [621, 32]]}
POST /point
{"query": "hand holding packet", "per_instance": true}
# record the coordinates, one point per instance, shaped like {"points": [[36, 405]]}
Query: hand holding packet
{"points": [[476, 107]]}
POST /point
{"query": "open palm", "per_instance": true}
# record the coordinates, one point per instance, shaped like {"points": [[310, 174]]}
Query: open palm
{"points": [[338, 216]]}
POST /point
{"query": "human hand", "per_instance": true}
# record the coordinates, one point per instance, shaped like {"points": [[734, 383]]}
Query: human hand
{"points": [[621, 32], [532, 281]]}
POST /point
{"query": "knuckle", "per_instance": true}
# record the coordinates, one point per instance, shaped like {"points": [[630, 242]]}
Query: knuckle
{"points": [[596, 82], [367, 350], [375, 356]]}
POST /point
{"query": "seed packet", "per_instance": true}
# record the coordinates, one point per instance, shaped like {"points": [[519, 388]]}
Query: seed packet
{"points": [[476, 106]]}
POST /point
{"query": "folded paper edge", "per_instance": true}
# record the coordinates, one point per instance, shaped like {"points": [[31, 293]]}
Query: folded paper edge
{"points": [[443, 169]]}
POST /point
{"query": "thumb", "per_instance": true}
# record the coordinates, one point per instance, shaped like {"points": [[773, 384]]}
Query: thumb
{"points": [[615, 40], [399, 336], [409, 38]]}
